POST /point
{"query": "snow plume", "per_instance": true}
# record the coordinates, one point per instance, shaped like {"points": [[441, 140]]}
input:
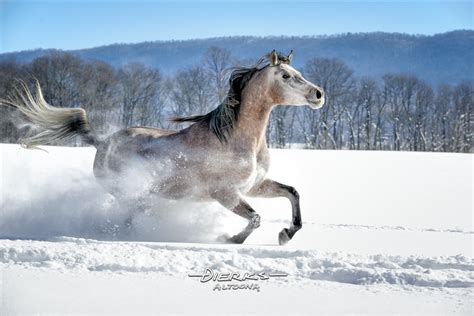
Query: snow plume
{"points": [[59, 196]]}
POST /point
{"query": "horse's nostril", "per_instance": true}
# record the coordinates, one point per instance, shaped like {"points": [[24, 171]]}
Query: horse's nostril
{"points": [[318, 94]]}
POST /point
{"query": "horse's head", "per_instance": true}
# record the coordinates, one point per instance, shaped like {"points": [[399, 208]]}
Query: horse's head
{"points": [[287, 86]]}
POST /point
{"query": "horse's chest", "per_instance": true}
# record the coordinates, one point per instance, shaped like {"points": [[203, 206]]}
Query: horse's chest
{"points": [[258, 172]]}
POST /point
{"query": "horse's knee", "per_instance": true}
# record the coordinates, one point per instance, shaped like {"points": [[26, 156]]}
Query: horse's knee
{"points": [[255, 221], [294, 192]]}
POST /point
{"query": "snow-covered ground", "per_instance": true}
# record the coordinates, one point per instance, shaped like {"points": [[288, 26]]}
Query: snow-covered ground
{"points": [[383, 232]]}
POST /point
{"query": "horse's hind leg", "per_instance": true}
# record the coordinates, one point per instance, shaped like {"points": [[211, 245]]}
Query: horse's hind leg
{"points": [[134, 207], [239, 206], [131, 205]]}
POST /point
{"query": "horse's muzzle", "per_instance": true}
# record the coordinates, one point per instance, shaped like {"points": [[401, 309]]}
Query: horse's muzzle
{"points": [[316, 98]]}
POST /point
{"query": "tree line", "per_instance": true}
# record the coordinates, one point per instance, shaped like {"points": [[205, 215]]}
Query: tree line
{"points": [[395, 112]]}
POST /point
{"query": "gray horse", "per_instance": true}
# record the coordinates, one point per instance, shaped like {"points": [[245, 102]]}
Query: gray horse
{"points": [[222, 156]]}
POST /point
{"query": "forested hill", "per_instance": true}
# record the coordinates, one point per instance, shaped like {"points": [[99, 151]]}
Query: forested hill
{"points": [[439, 58]]}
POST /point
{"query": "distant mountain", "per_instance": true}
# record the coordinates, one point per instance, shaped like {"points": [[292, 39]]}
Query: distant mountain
{"points": [[439, 58]]}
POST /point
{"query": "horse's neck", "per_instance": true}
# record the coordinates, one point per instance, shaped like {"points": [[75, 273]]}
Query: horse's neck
{"points": [[252, 124]]}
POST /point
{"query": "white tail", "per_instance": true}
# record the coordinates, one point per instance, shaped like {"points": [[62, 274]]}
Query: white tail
{"points": [[58, 123]]}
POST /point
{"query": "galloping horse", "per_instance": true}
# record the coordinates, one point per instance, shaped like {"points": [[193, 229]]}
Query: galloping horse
{"points": [[222, 156]]}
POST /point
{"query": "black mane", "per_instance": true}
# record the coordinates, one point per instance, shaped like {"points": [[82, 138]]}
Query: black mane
{"points": [[222, 119]]}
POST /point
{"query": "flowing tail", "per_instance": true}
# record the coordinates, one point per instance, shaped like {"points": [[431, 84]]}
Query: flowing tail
{"points": [[57, 123]]}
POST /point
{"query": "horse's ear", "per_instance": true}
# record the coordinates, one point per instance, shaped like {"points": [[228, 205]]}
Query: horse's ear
{"points": [[290, 57], [273, 57]]}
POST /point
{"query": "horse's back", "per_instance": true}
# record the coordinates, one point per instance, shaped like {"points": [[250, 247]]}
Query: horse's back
{"points": [[124, 145], [135, 136], [149, 132]]}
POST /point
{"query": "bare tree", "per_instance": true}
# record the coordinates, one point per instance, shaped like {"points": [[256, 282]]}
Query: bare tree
{"points": [[10, 119], [139, 90], [191, 92], [99, 88], [439, 131], [360, 114], [400, 92], [419, 126], [336, 78], [280, 126], [380, 121], [218, 63], [308, 121], [462, 117], [58, 74]]}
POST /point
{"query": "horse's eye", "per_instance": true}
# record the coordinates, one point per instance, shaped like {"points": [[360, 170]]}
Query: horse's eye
{"points": [[286, 76]]}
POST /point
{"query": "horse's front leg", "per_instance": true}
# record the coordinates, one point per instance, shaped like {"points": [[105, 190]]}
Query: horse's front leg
{"points": [[234, 202], [269, 188]]}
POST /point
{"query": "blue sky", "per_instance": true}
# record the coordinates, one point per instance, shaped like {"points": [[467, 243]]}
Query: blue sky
{"points": [[81, 24]]}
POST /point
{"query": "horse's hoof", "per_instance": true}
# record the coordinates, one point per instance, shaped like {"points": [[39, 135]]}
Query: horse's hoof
{"points": [[225, 238], [283, 237], [222, 238]]}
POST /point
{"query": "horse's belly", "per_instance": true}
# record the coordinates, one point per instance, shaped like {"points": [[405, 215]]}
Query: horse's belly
{"points": [[179, 188]]}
